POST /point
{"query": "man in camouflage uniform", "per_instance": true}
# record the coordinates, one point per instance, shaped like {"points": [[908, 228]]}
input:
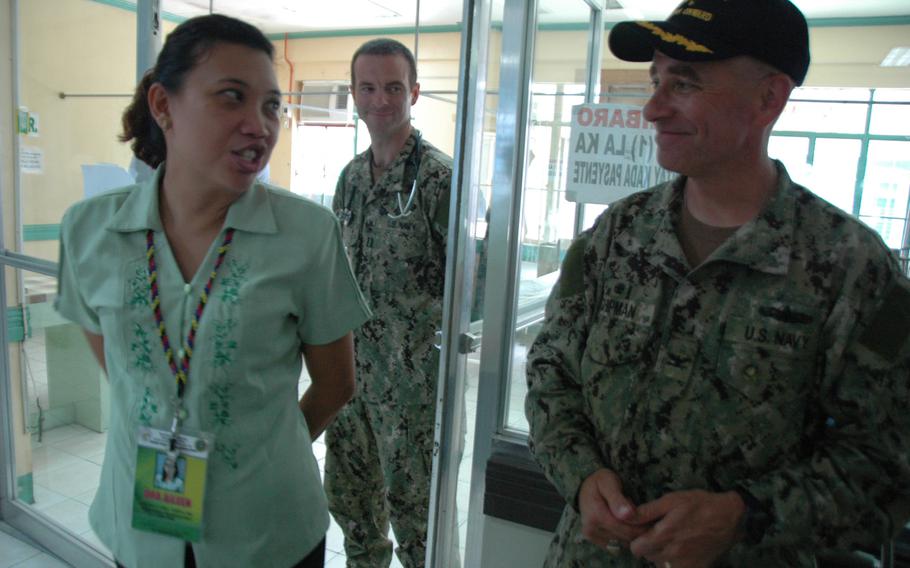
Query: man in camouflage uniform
{"points": [[722, 374], [393, 203]]}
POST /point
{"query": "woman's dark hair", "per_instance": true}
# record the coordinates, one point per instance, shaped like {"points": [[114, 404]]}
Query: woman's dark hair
{"points": [[184, 49]]}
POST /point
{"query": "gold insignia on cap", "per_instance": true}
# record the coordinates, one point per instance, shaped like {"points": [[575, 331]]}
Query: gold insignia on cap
{"points": [[675, 38]]}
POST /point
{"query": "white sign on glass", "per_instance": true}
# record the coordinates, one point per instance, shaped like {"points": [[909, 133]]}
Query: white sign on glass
{"points": [[613, 153]]}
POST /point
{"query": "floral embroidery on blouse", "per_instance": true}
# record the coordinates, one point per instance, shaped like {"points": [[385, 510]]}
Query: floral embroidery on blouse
{"points": [[148, 409], [224, 347], [224, 343], [139, 287], [141, 348], [233, 280], [228, 453], [220, 405]]}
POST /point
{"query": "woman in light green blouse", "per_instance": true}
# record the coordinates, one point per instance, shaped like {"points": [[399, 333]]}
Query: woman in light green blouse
{"points": [[198, 292]]}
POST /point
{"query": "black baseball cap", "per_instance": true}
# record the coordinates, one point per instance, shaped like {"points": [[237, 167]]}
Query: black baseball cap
{"points": [[772, 31]]}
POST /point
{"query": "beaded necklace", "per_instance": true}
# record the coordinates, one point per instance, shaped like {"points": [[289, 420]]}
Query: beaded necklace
{"points": [[181, 372]]}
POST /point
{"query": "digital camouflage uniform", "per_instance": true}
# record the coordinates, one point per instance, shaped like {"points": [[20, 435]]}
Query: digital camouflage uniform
{"points": [[380, 445], [779, 366]]}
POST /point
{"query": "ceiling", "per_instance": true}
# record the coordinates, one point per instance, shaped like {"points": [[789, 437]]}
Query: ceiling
{"points": [[280, 16]]}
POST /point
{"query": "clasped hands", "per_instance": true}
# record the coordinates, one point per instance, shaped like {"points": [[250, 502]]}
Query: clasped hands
{"points": [[682, 529]]}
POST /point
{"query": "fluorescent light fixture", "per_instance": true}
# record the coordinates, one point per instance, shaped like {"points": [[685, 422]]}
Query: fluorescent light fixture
{"points": [[897, 57]]}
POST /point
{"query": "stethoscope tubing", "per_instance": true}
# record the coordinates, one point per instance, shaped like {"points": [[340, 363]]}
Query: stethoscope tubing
{"points": [[406, 210]]}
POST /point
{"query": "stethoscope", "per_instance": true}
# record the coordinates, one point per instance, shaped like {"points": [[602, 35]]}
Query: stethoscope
{"points": [[404, 209]]}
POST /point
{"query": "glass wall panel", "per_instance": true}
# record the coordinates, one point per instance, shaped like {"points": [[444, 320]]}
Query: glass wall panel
{"points": [[828, 170], [834, 171], [482, 184], [61, 402], [804, 112], [793, 151], [77, 70], [548, 219], [893, 119], [890, 119], [885, 190]]}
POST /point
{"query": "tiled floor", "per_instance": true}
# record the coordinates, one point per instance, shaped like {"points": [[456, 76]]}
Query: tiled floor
{"points": [[16, 551]]}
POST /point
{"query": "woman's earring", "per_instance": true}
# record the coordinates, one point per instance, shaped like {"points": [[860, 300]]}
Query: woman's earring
{"points": [[164, 123]]}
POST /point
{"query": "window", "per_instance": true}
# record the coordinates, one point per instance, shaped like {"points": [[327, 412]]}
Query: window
{"points": [[863, 170]]}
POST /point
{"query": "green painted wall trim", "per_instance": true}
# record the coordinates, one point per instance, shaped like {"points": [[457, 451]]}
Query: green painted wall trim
{"points": [[841, 22], [25, 489], [568, 26], [15, 325], [856, 22], [564, 27], [405, 30], [840, 136], [49, 232], [131, 7]]}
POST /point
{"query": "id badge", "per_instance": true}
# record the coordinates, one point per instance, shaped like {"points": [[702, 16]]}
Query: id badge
{"points": [[170, 486]]}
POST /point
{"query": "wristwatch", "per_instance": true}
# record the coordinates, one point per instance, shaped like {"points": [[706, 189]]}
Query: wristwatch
{"points": [[755, 520]]}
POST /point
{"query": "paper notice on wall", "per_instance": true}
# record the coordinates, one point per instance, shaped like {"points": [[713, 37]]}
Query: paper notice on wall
{"points": [[98, 178], [31, 160], [613, 153]]}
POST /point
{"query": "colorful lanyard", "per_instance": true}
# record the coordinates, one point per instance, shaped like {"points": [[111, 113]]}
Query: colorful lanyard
{"points": [[182, 372]]}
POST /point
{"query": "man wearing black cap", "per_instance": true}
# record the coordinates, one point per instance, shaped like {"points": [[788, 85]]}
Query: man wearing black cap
{"points": [[722, 375]]}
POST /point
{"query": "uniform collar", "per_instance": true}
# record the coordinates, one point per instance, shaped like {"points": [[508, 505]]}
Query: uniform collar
{"points": [[139, 212], [763, 244], [395, 172]]}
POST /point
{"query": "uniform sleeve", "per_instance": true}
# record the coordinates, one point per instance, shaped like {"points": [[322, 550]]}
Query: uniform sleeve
{"points": [[338, 199], [333, 304], [70, 302], [438, 186], [561, 437], [854, 488]]}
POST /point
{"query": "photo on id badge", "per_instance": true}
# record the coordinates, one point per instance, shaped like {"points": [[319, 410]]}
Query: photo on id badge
{"points": [[169, 474]]}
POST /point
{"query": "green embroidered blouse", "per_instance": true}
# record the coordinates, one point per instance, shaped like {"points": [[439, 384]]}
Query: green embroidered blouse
{"points": [[285, 282]]}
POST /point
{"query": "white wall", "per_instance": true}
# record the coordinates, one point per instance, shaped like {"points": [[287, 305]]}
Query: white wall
{"points": [[510, 545]]}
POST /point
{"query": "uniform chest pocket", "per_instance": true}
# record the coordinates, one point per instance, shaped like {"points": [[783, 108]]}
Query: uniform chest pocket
{"points": [[399, 238], [766, 360], [621, 333]]}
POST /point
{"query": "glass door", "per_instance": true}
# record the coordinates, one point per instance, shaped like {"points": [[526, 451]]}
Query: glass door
{"points": [[478, 96], [511, 229], [54, 405]]}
